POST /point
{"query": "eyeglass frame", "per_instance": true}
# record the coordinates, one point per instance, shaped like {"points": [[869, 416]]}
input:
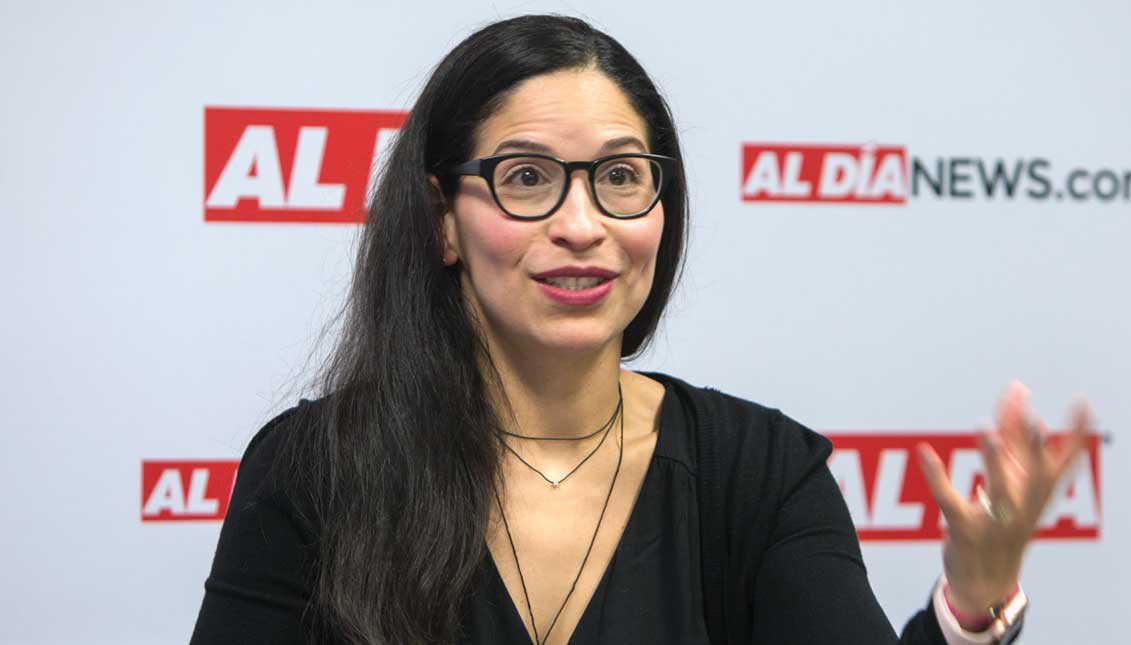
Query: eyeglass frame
{"points": [[485, 167]]}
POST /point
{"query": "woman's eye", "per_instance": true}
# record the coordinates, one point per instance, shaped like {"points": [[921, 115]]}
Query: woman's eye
{"points": [[621, 176], [525, 176]]}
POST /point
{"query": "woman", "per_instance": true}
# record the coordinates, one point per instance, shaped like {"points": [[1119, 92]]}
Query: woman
{"points": [[483, 470]]}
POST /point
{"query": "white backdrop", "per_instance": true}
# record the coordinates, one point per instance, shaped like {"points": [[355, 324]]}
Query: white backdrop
{"points": [[133, 329]]}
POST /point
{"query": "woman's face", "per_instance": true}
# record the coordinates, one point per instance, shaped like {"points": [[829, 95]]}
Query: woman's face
{"points": [[572, 115]]}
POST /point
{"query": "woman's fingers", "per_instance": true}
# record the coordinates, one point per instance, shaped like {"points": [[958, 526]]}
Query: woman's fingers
{"points": [[1073, 445], [1040, 482], [1012, 413], [1036, 441], [1014, 423], [1021, 465], [952, 505], [997, 477]]}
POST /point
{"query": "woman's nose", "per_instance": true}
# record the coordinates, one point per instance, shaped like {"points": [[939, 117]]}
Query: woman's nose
{"points": [[578, 223]]}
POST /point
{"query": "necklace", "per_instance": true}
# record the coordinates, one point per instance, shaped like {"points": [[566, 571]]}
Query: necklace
{"points": [[607, 428], [588, 550], [588, 436]]}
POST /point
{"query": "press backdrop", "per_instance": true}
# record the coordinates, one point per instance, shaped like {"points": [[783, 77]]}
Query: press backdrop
{"points": [[897, 208]]}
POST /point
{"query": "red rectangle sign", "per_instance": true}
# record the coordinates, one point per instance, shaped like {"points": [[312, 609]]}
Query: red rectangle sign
{"points": [[282, 165], [888, 497], [860, 174], [186, 490]]}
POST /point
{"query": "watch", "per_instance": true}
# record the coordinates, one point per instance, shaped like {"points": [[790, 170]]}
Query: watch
{"points": [[1000, 624], [1008, 616]]}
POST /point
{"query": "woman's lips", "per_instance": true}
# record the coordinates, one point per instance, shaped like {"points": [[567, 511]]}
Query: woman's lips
{"points": [[577, 297]]}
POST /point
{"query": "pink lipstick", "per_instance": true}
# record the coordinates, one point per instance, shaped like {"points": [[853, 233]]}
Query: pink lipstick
{"points": [[570, 288]]}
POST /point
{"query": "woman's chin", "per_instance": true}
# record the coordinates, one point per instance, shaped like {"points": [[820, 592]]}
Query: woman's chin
{"points": [[577, 341]]}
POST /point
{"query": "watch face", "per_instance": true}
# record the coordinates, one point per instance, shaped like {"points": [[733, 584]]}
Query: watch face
{"points": [[1010, 631]]}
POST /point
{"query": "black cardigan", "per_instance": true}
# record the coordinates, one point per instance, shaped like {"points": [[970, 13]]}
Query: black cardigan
{"points": [[780, 559]]}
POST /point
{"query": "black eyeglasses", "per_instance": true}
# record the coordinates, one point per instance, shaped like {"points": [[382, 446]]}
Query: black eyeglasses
{"points": [[531, 186]]}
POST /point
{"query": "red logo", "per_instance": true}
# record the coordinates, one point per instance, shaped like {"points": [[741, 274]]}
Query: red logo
{"points": [[871, 174], [278, 165], [186, 490], [888, 497]]}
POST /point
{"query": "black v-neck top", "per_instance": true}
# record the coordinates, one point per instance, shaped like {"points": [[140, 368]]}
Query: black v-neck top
{"points": [[651, 591], [792, 570]]}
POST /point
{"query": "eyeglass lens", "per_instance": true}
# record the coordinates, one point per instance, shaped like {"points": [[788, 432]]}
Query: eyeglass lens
{"points": [[531, 186]]}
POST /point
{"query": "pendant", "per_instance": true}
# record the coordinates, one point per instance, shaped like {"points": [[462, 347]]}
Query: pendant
{"points": [[555, 484]]}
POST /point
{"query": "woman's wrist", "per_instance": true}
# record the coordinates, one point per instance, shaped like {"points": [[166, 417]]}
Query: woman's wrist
{"points": [[974, 616], [969, 621], [1004, 625]]}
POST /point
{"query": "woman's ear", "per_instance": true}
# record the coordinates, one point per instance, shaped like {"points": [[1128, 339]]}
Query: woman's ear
{"points": [[449, 247]]}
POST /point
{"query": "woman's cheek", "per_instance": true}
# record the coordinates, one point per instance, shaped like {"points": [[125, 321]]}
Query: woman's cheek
{"points": [[649, 245], [507, 243], [498, 249]]}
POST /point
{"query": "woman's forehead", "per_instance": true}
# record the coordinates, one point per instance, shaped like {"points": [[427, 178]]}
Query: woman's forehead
{"points": [[568, 113]]}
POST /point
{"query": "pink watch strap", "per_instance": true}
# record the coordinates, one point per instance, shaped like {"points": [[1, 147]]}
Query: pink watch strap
{"points": [[952, 630], [972, 623]]}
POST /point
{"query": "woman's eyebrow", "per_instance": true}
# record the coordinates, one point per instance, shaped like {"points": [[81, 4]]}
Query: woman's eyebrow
{"points": [[623, 142], [526, 145]]}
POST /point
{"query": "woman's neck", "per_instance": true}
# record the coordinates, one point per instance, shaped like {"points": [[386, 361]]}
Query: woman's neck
{"points": [[563, 394]]}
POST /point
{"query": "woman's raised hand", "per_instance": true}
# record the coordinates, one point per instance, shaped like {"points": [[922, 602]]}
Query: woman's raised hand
{"points": [[986, 538]]}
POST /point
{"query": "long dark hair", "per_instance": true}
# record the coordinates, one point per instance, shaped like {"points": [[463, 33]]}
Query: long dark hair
{"points": [[396, 462]]}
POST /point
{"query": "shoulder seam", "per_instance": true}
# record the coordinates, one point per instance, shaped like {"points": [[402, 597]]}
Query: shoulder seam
{"points": [[269, 427]]}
